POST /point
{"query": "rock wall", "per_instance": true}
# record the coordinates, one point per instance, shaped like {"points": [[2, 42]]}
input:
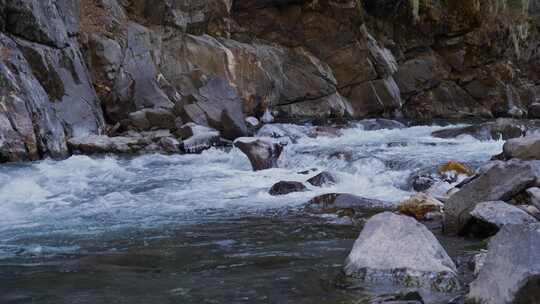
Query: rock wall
{"points": [[76, 67]]}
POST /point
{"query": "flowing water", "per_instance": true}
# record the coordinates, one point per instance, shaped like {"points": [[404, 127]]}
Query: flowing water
{"points": [[200, 228]]}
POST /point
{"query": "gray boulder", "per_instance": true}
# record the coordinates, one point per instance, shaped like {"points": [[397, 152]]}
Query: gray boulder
{"points": [[525, 148], [511, 272], [399, 250], [489, 217], [263, 153], [500, 182], [197, 138], [502, 128]]}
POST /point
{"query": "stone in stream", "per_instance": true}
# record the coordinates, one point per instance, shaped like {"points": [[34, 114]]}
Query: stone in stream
{"points": [[397, 249], [525, 148], [420, 205], [511, 272], [500, 181], [501, 128], [286, 187], [488, 217], [381, 124], [94, 144], [334, 202], [263, 153], [322, 179]]}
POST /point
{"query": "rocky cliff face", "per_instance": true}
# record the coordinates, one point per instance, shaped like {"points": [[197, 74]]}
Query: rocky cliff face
{"points": [[76, 67]]}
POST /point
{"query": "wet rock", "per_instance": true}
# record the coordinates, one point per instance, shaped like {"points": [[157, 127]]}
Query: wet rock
{"points": [[333, 202], [94, 144], [286, 187], [511, 272], [375, 98], [326, 131], [500, 182], [191, 129], [500, 129], [420, 205], [457, 167], [322, 179], [290, 131], [525, 148], [488, 217], [399, 250], [263, 153], [381, 124]]}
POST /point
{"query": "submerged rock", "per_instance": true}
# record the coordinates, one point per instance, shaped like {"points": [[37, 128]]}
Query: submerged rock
{"points": [[263, 153], [489, 217], [333, 202], [397, 249], [511, 272], [501, 181], [286, 187], [322, 179], [381, 124], [457, 167]]}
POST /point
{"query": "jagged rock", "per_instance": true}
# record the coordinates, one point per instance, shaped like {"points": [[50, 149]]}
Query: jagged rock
{"points": [[399, 250], [29, 126], [448, 100], [322, 179], [263, 153], [375, 97], [489, 217], [420, 73], [500, 182], [419, 205], [525, 148], [286, 187], [511, 272], [94, 144], [500, 129], [333, 202], [158, 118]]}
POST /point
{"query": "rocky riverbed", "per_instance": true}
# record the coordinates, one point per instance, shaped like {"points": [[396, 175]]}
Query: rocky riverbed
{"points": [[202, 228]]}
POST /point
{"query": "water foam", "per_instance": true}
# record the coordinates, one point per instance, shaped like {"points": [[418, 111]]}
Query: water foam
{"points": [[90, 195]]}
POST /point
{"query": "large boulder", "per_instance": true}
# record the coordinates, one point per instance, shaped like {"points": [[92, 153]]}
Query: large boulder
{"points": [[525, 148], [197, 138], [511, 272], [500, 182], [399, 250], [489, 217], [263, 153]]}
